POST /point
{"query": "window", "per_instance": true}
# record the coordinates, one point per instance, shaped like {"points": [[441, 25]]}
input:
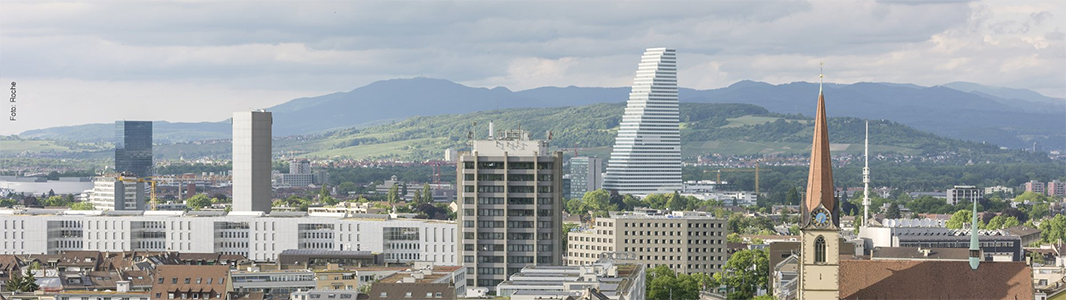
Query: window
{"points": [[174, 280], [187, 280], [407, 295], [384, 294], [819, 250]]}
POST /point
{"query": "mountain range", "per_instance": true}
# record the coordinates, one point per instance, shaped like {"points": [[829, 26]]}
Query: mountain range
{"points": [[1011, 118]]}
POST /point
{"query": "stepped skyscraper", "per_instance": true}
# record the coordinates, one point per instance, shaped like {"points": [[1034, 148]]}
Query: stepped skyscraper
{"points": [[646, 157]]}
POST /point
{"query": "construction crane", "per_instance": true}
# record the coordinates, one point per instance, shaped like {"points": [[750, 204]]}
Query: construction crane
{"points": [[150, 181], [718, 181]]}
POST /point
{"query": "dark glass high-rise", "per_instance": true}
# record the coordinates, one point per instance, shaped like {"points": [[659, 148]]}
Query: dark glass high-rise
{"points": [[133, 148]]}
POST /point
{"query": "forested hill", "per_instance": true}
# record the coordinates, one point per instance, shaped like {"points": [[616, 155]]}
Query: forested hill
{"points": [[741, 129]]}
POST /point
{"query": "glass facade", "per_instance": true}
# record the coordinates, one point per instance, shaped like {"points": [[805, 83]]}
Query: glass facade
{"points": [[133, 148]]}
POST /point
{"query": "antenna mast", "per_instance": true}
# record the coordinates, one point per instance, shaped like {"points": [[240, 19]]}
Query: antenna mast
{"points": [[866, 180]]}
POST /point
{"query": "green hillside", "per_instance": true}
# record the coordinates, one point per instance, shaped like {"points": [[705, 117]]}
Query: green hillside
{"points": [[706, 128], [727, 129]]}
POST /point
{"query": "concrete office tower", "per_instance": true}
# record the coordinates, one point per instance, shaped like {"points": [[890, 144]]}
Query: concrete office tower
{"points": [[510, 206], [299, 166], [251, 161], [133, 148], [586, 175], [647, 151], [109, 193]]}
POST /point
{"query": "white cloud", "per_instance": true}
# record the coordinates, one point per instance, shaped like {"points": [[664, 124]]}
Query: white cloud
{"points": [[232, 52]]}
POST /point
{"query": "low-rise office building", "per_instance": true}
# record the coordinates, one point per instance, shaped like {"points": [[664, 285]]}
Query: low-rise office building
{"points": [[687, 242], [996, 245], [257, 236], [605, 278]]}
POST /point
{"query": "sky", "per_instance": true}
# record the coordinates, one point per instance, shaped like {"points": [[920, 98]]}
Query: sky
{"points": [[195, 61]]}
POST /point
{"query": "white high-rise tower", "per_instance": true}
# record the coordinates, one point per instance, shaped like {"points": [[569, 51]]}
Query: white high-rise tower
{"points": [[866, 180], [646, 157], [252, 161]]}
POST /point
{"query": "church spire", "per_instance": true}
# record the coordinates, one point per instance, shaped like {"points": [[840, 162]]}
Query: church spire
{"points": [[820, 179]]}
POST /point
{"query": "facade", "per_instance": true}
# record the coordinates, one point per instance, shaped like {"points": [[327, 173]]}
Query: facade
{"points": [[1035, 187], [109, 193], [133, 148], [1056, 189], [251, 161], [586, 175], [687, 242], [510, 214], [257, 237], [610, 280], [646, 157], [274, 284], [995, 245], [964, 194], [299, 175], [999, 188]]}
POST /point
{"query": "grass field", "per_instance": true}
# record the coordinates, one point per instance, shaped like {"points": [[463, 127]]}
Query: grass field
{"points": [[17, 146], [748, 120]]}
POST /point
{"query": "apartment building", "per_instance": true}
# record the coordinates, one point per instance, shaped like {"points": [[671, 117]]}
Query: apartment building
{"points": [[687, 242], [510, 212], [964, 194]]}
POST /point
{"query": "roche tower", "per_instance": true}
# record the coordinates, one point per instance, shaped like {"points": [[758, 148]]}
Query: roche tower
{"points": [[646, 157]]}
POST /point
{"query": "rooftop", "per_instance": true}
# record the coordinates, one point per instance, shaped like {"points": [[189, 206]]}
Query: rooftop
{"points": [[882, 279]]}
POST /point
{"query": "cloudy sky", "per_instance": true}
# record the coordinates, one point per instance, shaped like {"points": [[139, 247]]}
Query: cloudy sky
{"points": [[95, 62]]}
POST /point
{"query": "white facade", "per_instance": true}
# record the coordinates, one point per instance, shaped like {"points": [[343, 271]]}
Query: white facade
{"points": [[109, 193], [251, 161], [255, 236], [646, 157], [964, 194]]}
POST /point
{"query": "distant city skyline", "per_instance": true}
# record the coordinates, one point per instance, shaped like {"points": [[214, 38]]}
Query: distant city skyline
{"points": [[200, 61]]}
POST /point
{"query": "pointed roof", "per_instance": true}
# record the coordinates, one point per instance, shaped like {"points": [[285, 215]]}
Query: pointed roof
{"points": [[820, 179]]}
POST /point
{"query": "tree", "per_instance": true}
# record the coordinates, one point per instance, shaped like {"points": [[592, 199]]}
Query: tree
{"points": [[197, 202], [1053, 230], [393, 195], [1031, 197], [893, 212], [958, 219], [344, 188], [733, 238], [417, 198], [745, 273], [664, 284], [792, 198], [23, 284], [427, 194], [1039, 211], [599, 202], [81, 206]]}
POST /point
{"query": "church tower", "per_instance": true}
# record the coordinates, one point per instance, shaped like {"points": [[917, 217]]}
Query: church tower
{"points": [[819, 276]]}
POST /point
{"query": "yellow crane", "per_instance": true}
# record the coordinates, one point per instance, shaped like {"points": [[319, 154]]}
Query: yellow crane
{"points": [[718, 181], [149, 180]]}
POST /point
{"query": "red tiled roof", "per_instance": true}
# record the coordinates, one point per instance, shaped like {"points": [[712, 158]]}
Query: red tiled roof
{"points": [[909, 279]]}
